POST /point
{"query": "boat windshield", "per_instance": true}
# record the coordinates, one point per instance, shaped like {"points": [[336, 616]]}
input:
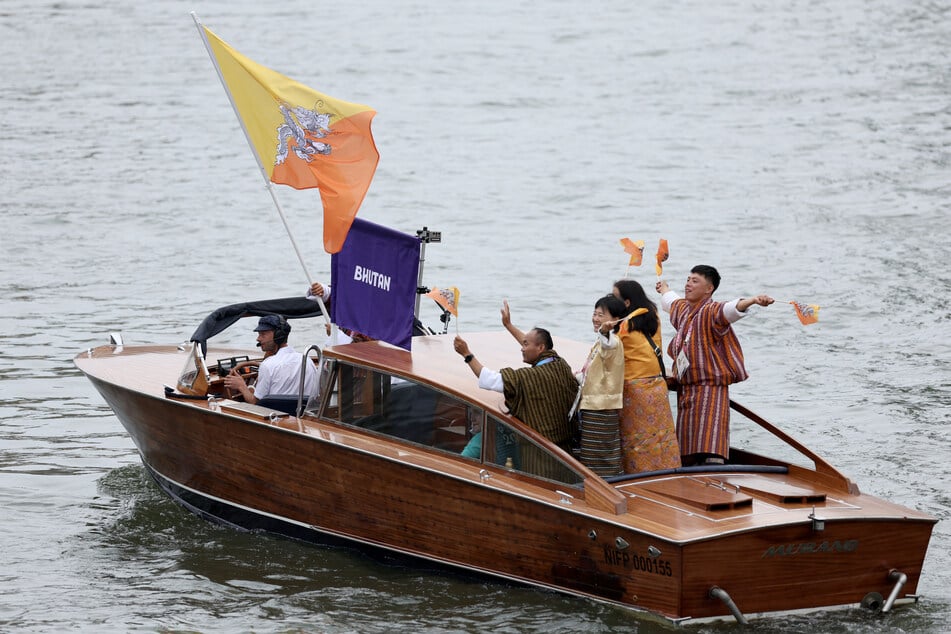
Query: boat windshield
{"points": [[401, 408], [194, 377]]}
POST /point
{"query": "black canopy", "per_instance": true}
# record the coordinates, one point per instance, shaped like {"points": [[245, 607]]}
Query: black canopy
{"points": [[290, 307], [222, 318]]}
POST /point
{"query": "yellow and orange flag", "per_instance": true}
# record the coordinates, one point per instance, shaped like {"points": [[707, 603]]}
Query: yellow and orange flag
{"points": [[807, 313], [448, 298], [662, 254], [634, 249], [302, 138]]}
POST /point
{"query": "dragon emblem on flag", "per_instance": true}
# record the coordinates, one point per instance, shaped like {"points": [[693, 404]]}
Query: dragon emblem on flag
{"points": [[305, 127]]}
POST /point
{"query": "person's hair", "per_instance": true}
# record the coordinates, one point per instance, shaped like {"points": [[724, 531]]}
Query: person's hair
{"points": [[615, 308], [709, 273], [633, 292], [544, 337]]}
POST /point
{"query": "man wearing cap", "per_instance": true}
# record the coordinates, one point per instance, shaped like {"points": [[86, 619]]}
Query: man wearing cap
{"points": [[279, 373]]}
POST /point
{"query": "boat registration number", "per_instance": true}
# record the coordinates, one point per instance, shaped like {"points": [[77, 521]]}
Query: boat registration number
{"points": [[639, 563]]}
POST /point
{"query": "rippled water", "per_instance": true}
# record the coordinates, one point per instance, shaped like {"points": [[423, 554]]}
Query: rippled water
{"points": [[802, 148]]}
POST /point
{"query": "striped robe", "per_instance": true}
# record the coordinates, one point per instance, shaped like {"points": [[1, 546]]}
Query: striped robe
{"points": [[715, 361], [542, 395]]}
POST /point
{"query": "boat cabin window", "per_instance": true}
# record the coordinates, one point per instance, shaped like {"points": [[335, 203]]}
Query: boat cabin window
{"points": [[507, 447], [398, 407], [420, 414]]}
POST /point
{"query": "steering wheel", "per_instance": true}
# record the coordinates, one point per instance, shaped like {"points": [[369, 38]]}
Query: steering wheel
{"points": [[247, 370]]}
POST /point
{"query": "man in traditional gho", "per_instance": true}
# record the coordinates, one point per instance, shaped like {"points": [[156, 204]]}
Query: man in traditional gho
{"points": [[541, 395], [707, 359]]}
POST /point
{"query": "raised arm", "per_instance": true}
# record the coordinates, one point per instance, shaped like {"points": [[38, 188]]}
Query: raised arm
{"points": [[507, 322], [462, 348], [488, 379]]}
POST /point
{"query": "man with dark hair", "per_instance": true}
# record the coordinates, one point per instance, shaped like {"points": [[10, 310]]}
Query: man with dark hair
{"points": [[707, 359], [541, 395], [279, 373]]}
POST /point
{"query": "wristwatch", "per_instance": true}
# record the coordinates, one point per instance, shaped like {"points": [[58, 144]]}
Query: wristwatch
{"points": [[468, 358]]}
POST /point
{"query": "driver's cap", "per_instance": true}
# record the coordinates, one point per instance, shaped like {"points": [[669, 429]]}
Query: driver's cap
{"points": [[268, 322]]}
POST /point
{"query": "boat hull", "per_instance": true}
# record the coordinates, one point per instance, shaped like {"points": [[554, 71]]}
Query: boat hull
{"points": [[682, 545], [261, 476]]}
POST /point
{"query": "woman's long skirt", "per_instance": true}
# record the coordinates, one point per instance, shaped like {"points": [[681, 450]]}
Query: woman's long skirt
{"points": [[601, 441], [648, 437]]}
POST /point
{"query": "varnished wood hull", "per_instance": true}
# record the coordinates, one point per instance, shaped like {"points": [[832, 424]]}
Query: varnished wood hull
{"points": [[262, 475]]}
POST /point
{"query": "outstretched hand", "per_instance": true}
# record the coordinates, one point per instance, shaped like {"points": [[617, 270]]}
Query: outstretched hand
{"points": [[759, 300], [661, 287]]}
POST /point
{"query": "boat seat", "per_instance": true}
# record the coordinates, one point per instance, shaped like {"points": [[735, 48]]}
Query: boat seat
{"points": [[286, 403]]}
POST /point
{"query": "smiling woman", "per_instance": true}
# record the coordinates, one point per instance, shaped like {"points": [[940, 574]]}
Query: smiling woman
{"points": [[602, 391]]}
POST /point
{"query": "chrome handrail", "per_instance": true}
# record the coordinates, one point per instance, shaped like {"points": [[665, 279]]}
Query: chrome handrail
{"points": [[305, 358]]}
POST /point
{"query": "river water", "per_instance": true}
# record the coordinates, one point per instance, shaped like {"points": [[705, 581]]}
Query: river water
{"points": [[803, 148]]}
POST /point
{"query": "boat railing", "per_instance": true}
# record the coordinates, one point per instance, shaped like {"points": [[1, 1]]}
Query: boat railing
{"points": [[742, 461], [305, 358], [821, 468], [724, 468]]}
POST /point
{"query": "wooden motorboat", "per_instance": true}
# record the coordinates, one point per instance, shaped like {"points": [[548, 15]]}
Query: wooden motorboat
{"points": [[376, 461]]}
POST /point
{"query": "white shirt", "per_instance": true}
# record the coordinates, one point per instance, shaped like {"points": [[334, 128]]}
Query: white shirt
{"points": [[491, 380], [279, 374]]}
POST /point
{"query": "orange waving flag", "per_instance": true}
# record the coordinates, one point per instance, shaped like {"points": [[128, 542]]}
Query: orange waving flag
{"points": [[635, 249], [807, 313], [301, 137], [448, 298], [662, 254]]}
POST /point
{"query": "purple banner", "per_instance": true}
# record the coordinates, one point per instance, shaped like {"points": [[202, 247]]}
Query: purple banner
{"points": [[373, 282]]}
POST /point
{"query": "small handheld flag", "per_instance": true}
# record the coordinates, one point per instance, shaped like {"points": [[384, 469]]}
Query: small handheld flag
{"points": [[634, 313], [448, 298], [807, 313], [634, 249], [631, 315], [662, 254]]}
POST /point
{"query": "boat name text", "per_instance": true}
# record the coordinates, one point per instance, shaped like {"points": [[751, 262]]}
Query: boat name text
{"points": [[371, 277], [622, 558], [807, 548]]}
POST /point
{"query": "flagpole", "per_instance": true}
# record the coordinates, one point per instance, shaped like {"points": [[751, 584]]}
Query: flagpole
{"points": [[267, 181]]}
